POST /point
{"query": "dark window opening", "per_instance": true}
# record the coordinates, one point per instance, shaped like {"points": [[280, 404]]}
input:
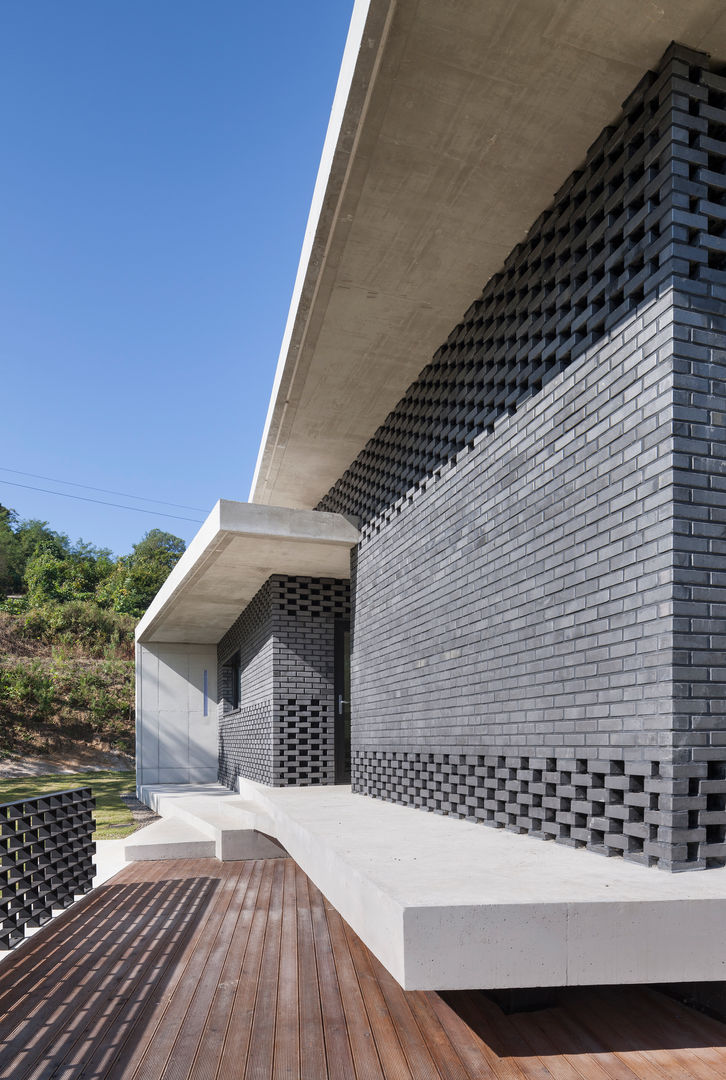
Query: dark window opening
{"points": [[234, 681], [342, 701]]}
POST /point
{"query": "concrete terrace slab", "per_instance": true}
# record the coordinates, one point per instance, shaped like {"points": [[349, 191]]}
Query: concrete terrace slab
{"points": [[449, 904]]}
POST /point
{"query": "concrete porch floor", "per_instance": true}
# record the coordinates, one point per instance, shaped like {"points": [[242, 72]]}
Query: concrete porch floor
{"points": [[447, 904]]}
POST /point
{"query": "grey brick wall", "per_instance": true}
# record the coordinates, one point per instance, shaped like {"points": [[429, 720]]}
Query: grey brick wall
{"points": [[246, 742], [283, 732], [700, 571], [512, 608], [538, 626]]}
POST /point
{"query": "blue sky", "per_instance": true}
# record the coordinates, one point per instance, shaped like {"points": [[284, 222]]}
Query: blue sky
{"points": [[157, 162]]}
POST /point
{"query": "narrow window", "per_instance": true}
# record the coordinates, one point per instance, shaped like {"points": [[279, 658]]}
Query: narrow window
{"points": [[234, 668]]}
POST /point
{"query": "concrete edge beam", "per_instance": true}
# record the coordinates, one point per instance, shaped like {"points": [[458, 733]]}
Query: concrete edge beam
{"points": [[236, 549]]}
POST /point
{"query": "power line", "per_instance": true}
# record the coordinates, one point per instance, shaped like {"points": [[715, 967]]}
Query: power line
{"points": [[106, 491], [100, 502]]}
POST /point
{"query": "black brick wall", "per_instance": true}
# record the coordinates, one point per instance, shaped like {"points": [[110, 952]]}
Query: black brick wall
{"points": [[538, 628], [283, 732]]}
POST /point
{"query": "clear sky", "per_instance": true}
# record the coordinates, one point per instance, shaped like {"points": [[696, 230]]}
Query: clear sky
{"points": [[157, 161]]}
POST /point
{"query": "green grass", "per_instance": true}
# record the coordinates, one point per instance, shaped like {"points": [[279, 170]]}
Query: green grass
{"points": [[112, 817]]}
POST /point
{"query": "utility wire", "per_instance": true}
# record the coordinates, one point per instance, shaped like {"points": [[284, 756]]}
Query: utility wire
{"points": [[88, 487], [100, 502]]}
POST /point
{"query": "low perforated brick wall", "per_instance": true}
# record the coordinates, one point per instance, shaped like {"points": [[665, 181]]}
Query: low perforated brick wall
{"points": [[47, 859]]}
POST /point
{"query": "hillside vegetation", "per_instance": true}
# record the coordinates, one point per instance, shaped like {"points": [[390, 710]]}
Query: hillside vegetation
{"points": [[67, 618]]}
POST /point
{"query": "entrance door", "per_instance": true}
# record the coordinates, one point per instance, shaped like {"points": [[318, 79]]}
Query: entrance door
{"points": [[342, 701]]}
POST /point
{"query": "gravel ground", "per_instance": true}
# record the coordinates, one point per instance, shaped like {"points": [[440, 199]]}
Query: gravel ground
{"points": [[81, 760], [140, 812]]}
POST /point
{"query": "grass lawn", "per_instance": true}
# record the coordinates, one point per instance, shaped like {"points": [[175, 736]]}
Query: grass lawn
{"points": [[112, 817]]}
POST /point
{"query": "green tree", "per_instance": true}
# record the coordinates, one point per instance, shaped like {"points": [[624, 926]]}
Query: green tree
{"points": [[137, 577], [92, 564], [50, 578], [12, 563], [33, 534], [57, 573]]}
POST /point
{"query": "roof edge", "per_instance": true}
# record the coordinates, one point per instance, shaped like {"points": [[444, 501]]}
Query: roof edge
{"points": [[366, 39]]}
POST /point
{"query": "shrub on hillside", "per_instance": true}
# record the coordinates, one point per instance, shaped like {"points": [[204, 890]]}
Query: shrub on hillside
{"points": [[67, 699], [27, 688], [96, 631]]}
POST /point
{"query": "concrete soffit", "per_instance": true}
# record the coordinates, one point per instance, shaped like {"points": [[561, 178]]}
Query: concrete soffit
{"points": [[454, 124], [236, 550]]}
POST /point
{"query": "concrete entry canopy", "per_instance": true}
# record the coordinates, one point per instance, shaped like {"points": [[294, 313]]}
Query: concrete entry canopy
{"points": [[454, 124], [237, 549]]}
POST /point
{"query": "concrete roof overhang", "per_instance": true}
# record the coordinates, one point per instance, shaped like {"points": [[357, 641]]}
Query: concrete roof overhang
{"points": [[454, 124], [236, 550]]}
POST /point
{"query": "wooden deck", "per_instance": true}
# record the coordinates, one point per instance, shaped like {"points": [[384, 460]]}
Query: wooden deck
{"points": [[199, 970]]}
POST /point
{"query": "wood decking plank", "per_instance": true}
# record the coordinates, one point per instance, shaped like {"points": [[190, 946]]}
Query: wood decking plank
{"points": [[153, 980], [209, 1052], [64, 944], [442, 1049], [191, 1027], [159, 1046], [262, 1037], [124, 1023], [337, 1044], [93, 1026], [547, 1036], [237, 1039], [362, 1042], [46, 1009], [390, 1051], [506, 1038], [470, 1010], [312, 1044], [467, 1042], [709, 1032], [286, 1061], [558, 1065], [145, 1015], [693, 1060], [581, 1018], [412, 1042]]}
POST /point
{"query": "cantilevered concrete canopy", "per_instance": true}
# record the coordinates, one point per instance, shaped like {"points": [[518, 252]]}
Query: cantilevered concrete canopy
{"points": [[236, 550], [454, 123]]}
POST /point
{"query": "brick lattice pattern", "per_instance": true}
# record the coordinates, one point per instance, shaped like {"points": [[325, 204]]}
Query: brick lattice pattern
{"points": [[611, 807], [540, 581], [283, 732], [625, 225], [47, 858]]}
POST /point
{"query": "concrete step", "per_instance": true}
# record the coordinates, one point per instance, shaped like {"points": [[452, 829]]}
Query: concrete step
{"points": [[168, 839], [234, 825]]}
